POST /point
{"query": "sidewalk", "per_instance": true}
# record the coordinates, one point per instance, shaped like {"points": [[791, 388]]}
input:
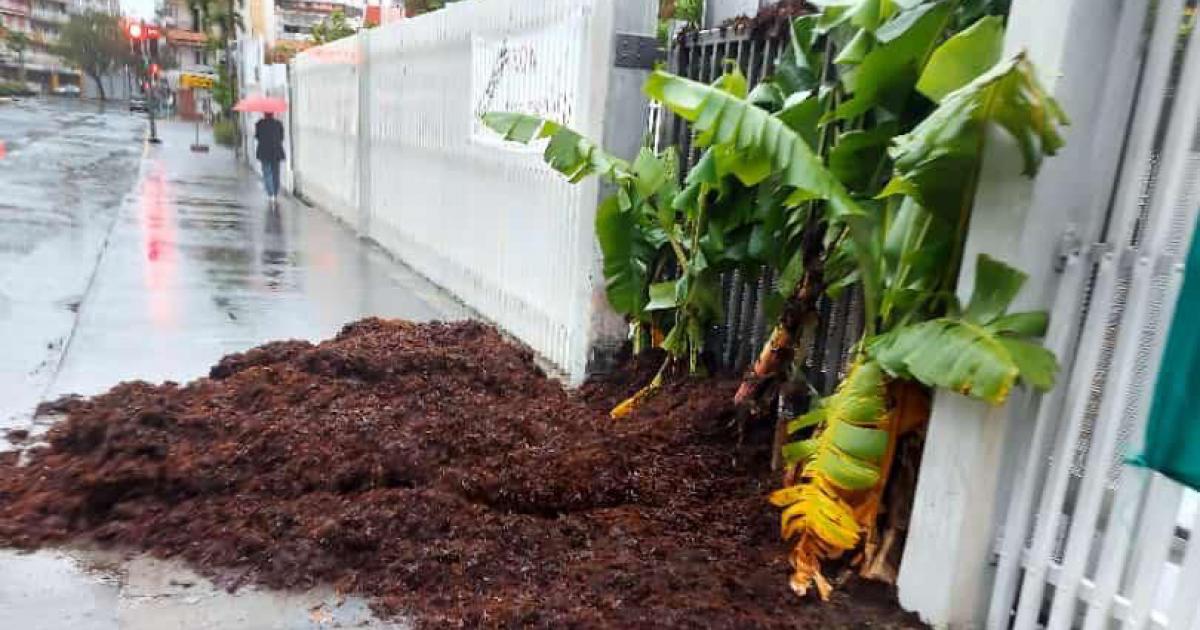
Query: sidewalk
{"points": [[195, 267], [198, 267]]}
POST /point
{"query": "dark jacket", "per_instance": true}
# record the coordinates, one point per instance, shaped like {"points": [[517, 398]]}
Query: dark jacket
{"points": [[269, 134]]}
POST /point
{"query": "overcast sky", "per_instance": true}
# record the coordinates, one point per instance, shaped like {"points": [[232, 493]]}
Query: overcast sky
{"points": [[138, 8]]}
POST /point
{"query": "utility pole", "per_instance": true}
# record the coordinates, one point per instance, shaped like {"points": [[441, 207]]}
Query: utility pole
{"points": [[143, 41]]}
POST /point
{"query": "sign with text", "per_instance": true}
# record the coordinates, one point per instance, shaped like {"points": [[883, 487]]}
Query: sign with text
{"points": [[196, 81], [533, 72]]}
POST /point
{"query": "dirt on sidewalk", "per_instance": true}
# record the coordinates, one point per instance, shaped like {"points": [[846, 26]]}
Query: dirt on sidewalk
{"points": [[437, 470]]}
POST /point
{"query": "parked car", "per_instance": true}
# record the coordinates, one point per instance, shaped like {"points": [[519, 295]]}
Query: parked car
{"points": [[67, 90], [137, 105]]}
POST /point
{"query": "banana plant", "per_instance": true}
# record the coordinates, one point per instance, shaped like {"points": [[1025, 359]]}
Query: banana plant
{"points": [[895, 190], [645, 228], [856, 164]]}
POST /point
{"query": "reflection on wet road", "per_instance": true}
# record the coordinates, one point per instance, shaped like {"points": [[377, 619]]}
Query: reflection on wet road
{"points": [[154, 268], [197, 267]]}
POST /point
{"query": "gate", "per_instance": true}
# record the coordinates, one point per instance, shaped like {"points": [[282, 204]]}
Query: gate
{"points": [[701, 56], [1089, 540]]}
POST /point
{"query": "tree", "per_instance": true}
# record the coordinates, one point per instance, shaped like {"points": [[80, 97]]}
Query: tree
{"points": [[18, 42], [94, 43], [331, 29], [226, 17]]}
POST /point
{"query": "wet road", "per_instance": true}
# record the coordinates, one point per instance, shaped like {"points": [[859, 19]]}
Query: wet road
{"points": [[119, 261], [66, 171]]}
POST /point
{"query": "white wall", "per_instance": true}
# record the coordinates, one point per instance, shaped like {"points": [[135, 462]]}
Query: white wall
{"points": [[325, 127], [717, 11], [388, 139]]}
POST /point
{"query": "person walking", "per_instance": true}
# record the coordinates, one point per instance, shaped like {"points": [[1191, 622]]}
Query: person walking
{"points": [[268, 132]]}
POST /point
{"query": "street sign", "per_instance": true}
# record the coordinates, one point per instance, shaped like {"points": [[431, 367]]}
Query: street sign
{"points": [[195, 81]]}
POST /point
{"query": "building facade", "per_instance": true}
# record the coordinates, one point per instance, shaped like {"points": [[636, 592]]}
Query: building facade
{"points": [[294, 19], [41, 22]]}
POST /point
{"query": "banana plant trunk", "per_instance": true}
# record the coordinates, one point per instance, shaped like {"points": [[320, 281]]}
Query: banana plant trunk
{"points": [[797, 321]]}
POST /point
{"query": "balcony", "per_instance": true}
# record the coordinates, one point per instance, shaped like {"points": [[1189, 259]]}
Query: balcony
{"points": [[52, 17], [12, 7]]}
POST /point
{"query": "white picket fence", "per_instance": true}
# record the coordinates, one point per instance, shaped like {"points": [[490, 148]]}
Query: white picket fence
{"points": [[324, 126], [1089, 540], [387, 136]]}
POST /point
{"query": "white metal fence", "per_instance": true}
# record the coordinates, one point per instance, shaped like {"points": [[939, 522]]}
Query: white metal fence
{"points": [[1088, 540], [485, 219], [325, 126]]}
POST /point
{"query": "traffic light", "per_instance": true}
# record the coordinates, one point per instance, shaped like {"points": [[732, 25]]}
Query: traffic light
{"points": [[135, 31], [153, 71]]}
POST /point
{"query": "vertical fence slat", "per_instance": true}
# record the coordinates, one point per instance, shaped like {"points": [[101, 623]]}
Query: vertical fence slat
{"points": [[1114, 550], [1050, 507], [1155, 534], [1150, 101], [1186, 602], [1105, 433], [1060, 339]]}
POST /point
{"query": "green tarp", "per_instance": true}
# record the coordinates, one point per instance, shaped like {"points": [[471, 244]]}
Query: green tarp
{"points": [[1173, 431]]}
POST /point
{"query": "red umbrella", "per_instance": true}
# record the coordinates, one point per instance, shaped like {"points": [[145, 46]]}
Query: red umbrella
{"points": [[264, 104]]}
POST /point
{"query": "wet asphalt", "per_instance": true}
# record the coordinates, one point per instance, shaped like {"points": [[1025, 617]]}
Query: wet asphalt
{"points": [[123, 260]]}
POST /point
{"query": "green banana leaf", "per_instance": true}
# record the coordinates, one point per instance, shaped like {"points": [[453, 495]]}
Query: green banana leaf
{"points": [[848, 447], [568, 152], [757, 145], [764, 142], [628, 223], [886, 75], [931, 159], [627, 253], [963, 57], [865, 14], [981, 353]]}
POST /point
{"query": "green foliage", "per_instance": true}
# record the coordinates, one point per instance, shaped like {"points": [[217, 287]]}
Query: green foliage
{"points": [[224, 90], [754, 144], [690, 11], [567, 152], [856, 164], [9, 88], [220, 19], [885, 76], [331, 29], [16, 41], [980, 353], [419, 7], [225, 132], [849, 451], [963, 57], [885, 144], [94, 43]]}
